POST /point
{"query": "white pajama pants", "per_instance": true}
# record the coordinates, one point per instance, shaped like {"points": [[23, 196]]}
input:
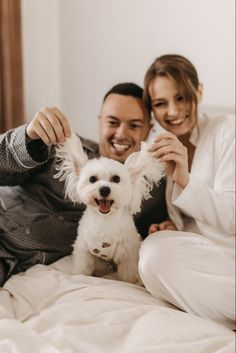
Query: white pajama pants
{"points": [[190, 272]]}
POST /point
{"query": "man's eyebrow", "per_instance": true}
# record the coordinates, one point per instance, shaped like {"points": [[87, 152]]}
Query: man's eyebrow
{"points": [[135, 120], [112, 117]]}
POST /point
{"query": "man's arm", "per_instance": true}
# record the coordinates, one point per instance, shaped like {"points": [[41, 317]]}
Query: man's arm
{"points": [[18, 157], [28, 147]]}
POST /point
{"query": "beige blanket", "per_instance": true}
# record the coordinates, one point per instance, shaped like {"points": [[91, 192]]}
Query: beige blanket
{"points": [[47, 311]]}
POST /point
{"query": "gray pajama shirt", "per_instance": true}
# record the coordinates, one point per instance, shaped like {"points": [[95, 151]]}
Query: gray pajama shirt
{"points": [[37, 224]]}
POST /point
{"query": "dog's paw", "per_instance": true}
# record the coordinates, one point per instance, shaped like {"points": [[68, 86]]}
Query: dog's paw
{"points": [[83, 266], [103, 268], [64, 265]]}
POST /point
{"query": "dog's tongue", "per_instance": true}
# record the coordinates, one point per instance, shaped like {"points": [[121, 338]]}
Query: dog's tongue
{"points": [[104, 206]]}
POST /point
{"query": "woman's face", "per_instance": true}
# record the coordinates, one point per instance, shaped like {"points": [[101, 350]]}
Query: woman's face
{"points": [[170, 107]]}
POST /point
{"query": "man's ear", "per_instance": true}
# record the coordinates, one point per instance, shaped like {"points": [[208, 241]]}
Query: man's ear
{"points": [[200, 92]]}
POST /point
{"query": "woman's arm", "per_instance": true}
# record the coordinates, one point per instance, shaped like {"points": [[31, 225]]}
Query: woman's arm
{"points": [[212, 204]]}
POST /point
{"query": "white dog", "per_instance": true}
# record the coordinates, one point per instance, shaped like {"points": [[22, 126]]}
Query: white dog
{"points": [[112, 192]]}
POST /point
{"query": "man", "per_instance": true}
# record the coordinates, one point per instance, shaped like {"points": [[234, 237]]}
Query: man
{"points": [[37, 225]]}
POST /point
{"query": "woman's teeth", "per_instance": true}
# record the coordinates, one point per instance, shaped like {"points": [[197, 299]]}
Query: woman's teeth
{"points": [[175, 122]]}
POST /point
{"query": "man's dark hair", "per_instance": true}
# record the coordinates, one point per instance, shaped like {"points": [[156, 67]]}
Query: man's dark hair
{"points": [[126, 89]]}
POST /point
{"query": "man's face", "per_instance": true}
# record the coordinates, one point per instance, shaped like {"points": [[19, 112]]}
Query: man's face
{"points": [[123, 124]]}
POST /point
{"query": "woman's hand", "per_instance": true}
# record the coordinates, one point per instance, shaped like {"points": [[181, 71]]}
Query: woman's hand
{"points": [[169, 150], [166, 225], [49, 125]]}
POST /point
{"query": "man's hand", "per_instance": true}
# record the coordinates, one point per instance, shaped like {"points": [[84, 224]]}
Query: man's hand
{"points": [[49, 125], [166, 225]]}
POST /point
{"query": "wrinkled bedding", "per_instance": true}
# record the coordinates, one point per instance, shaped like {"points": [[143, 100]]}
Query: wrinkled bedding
{"points": [[45, 310]]}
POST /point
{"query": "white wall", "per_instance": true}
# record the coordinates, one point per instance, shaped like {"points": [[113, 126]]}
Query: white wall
{"points": [[41, 55], [83, 47]]}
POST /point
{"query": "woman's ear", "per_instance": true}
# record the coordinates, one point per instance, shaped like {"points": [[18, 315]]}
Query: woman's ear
{"points": [[200, 92]]}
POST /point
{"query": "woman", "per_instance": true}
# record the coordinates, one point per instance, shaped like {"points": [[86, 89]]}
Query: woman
{"points": [[192, 268]]}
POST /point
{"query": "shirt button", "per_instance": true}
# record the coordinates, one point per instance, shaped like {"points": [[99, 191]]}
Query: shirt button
{"points": [[27, 230]]}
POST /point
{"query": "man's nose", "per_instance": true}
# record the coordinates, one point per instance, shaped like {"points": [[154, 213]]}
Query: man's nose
{"points": [[121, 131]]}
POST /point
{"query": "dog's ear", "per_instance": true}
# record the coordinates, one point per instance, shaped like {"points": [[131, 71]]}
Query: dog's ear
{"points": [[145, 170], [70, 159]]}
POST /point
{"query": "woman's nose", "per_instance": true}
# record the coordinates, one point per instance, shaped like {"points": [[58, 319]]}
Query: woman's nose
{"points": [[173, 109]]}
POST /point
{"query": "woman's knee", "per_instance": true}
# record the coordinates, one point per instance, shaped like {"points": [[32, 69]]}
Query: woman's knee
{"points": [[155, 252]]}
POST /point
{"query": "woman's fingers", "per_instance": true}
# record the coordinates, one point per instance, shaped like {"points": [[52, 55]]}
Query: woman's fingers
{"points": [[170, 148], [167, 136]]}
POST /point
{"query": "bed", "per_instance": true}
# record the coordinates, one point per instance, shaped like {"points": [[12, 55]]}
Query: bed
{"points": [[46, 310]]}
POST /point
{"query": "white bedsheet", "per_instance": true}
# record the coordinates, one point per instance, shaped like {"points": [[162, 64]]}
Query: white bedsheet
{"points": [[47, 311]]}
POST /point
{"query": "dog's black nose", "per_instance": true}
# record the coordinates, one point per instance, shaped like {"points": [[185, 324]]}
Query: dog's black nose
{"points": [[104, 191]]}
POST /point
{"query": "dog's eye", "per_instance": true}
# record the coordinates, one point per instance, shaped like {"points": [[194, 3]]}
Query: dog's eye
{"points": [[93, 179], [115, 179]]}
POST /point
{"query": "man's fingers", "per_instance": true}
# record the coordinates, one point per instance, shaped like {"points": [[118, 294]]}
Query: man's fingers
{"points": [[35, 131], [153, 228], [63, 121], [56, 130], [50, 125], [166, 225]]}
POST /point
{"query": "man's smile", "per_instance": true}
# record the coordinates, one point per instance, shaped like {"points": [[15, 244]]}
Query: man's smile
{"points": [[121, 146]]}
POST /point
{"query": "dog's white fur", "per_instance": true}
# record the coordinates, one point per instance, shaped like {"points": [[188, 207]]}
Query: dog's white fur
{"points": [[112, 192]]}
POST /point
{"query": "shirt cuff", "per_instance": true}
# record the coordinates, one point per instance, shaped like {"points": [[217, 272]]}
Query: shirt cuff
{"points": [[180, 196], [28, 155]]}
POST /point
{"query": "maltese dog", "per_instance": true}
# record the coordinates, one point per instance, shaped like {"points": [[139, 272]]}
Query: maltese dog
{"points": [[112, 192]]}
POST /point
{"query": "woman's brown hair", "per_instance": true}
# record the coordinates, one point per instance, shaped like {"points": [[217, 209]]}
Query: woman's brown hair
{"points": [[178, 68]]}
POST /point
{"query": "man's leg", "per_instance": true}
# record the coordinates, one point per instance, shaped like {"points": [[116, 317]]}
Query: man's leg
{"points": [[2, 273], [188, 271]]}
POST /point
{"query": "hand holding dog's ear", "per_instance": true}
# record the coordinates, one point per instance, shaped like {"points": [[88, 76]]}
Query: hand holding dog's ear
{"points": [[49, 125]]}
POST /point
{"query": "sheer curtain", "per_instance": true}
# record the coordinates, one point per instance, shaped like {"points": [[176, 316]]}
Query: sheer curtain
{"points": [[11, 75]]}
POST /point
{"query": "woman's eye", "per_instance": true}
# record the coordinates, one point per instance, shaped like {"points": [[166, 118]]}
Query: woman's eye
{"points": [[180, 98], [158, 105], [93, 179], [115, 179]]}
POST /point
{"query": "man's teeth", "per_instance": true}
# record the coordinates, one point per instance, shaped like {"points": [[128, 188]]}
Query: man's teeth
{"points": [[120, 147]]}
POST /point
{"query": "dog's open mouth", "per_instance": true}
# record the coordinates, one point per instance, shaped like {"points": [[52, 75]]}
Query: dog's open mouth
{"points": [[104, 205]]}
